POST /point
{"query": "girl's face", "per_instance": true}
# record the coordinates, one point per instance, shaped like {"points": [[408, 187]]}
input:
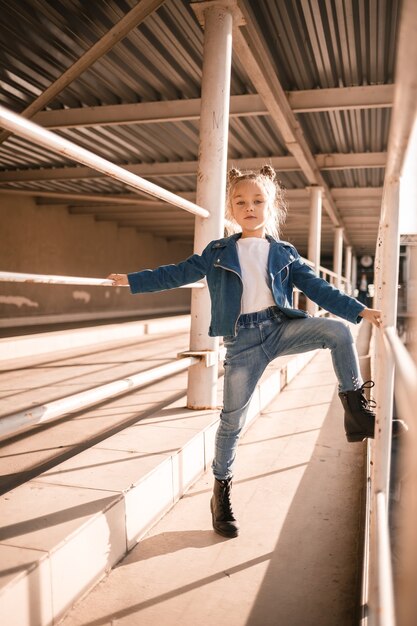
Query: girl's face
{"points": [[250, 207]]}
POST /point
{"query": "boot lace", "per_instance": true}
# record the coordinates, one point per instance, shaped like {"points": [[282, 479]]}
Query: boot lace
{"points": [[226, 502], [365, 403]]}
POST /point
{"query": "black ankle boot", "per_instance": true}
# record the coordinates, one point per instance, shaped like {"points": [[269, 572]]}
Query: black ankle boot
{"points": [[359, 420], [224, 522]]}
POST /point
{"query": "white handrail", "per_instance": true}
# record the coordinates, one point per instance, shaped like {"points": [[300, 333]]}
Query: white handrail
{"points": [[23, 420], [386, 611], [40, 136], [324, 270], [406, 399], [18, 277], [405, 375]]}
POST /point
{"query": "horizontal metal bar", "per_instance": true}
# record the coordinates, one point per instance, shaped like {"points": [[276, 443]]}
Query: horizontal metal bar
{"points": [[18, 422], [405, 375], [324, 270], [18, 277], [24, 128]]}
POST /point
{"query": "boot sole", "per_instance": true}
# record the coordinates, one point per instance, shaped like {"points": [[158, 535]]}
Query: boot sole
{"points": [[224, 533]]}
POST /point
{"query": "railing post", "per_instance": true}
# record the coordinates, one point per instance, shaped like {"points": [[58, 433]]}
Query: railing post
{"points": [[348, 269], [314, 236], [211, 189], [354, 274], [386, 298], [338, 255]]}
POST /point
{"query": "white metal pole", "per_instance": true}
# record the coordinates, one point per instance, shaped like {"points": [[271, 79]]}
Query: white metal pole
{"points": [[354, 273], [314, 236], [386, 299], [23, 420], [211, 188], [348, 269], [386, 284], [19, 277], [338, 255], [42, 137]]}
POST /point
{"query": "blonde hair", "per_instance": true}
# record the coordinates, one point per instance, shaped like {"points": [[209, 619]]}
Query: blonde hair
{"points": [[275, 192]]}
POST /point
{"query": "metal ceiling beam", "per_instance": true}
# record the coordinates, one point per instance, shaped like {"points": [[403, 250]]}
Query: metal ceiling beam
{"points": [[341, 98], [135, 16], [305, 101], [189, 168], [125, 210], [352, 192], [339, 193], [160, 228], [145, 219], [249, 45]]}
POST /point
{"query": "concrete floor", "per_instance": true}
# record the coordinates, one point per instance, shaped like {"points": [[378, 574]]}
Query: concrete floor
{"points": [[298, 497]]}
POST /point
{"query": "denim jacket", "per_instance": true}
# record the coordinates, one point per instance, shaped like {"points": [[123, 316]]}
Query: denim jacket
{"points": [[219, 262]]}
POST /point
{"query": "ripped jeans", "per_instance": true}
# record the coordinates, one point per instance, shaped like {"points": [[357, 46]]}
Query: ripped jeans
{"points": [[262, 337]]}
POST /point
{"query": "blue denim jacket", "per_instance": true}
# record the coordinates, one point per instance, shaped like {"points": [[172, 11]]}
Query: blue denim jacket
{"points": [[219, 262]]}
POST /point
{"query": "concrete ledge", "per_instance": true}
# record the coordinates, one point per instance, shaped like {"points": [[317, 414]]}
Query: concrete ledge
{"points": [[64, 530], [55, 341]]}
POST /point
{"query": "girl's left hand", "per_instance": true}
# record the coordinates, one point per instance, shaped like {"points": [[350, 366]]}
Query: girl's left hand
{"points": [[373, 316]]}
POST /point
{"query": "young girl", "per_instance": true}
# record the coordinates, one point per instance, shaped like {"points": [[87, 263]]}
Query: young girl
{"points": [[251, 275]]}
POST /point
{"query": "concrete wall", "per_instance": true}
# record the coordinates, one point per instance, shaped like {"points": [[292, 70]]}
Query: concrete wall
{"points": [[49, 240]]}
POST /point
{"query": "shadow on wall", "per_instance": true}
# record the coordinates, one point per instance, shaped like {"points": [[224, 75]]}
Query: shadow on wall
{"points": [[48, 239]]}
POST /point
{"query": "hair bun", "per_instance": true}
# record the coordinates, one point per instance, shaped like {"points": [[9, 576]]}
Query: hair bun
{"points": [[268, 171], [232, 174]]}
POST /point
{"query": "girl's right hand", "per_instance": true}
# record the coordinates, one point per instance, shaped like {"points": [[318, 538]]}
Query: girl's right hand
{"points": [[118, 279]]}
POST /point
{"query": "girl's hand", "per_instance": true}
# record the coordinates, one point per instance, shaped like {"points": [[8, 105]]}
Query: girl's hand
{"points": [[373, 316], [118, 279]]}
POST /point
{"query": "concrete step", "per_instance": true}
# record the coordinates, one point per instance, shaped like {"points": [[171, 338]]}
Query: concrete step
{"points": [[27, 386], [36, 347], [62, 531], [31, 390]]}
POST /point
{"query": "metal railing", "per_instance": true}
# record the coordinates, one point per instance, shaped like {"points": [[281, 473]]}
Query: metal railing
{"points": [[23, 420], [40, 136], [21, 277], [378, 570], [18, 277], [329, 275]]}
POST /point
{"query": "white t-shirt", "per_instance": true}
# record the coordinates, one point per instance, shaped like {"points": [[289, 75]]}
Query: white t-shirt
{"points": [[253, 258]]}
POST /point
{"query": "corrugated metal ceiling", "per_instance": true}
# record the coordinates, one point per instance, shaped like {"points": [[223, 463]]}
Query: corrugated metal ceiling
{"points": [[314, 45]]}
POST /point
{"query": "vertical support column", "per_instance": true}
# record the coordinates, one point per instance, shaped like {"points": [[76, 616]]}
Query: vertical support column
{"points": [[211, 190], [354, 273], [348, 269], [314, 236], [338, 255], [386, 297]]}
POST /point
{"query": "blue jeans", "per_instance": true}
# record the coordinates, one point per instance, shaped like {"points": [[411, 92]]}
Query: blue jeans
{"points": [[262, 337]]}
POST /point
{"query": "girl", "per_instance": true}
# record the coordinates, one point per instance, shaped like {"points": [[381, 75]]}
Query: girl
{"points": [[251, 275]]}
